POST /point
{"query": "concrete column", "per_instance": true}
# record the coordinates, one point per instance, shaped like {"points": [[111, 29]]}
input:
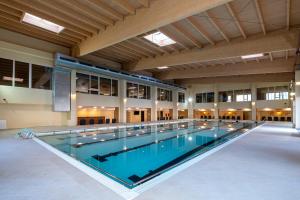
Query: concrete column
{"points": [[253, 102], [72, 115], [123, 101], [190, 103], [216, 100], [175, 103], [297, 99], [154, 103]]}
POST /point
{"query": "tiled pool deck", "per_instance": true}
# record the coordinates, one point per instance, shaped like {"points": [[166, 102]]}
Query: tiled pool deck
{"points": [[261, 165]]}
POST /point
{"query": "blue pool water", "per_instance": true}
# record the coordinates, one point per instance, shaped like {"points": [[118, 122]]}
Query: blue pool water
{"points": [[132, 156]]}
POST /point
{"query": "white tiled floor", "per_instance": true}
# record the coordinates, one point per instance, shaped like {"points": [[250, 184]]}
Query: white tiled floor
{"points": [[262, 165]]}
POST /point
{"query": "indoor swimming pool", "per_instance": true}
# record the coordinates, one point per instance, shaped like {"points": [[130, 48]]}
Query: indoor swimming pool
{"points": [[134, 155]]}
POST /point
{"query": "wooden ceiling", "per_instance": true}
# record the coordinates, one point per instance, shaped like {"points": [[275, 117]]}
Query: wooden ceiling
{"points": [[83, 19]]}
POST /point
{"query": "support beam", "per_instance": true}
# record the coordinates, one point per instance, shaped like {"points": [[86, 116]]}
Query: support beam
{"points": [[282, 77], [187, 35], [217, 26], [263, 67], [238, 24], [197, 26], [288, 13], [275, 41], [125, 5], [260, 16], [159, 14]]}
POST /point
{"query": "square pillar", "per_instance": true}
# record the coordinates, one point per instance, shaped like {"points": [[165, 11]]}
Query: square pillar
{"points": [[297, 99], [253, 102], [216, 100], [154, 103], [190, 103], [175, 104], [72, 115], [123, 101]]}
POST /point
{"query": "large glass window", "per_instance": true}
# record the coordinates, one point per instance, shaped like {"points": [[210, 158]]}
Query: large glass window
{"points": [[164, 95], [181, 97], [242, 95], [82, 83], [105, 86], [114, 87], [132, 90], [41, 77], [273, 93], [21, 74], [205, 97], [94, 89], [6, 72], [226, 96], [135, 90]]}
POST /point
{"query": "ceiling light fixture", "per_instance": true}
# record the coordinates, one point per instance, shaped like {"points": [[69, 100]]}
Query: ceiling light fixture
{"points": [[42, 23], [160, 39], [163, 67], [252, 56]]}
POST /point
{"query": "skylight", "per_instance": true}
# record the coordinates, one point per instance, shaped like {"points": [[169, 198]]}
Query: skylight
{"points": [[253, 56], [160, 39], [163, 67], [42, 23]]}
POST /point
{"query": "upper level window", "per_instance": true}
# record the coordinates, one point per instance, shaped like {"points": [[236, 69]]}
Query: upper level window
{"points": [[6, 72], [273, 93], [164, 95], [93, 84], [242, 95], [226, 96], [21, 74], [181, 97], [207, 97], [41, 77], [138, 91]]}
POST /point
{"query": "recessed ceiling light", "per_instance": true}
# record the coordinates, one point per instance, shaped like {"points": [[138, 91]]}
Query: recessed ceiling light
{"points": [[163, 67], [159, 38], [253, 56], [42, 23]]}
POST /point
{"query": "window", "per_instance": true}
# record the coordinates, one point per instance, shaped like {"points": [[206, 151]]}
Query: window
{"points": [[94, 89], [6, 72], [21, 74], [41, 77], [242, 95], [208, 97], [105, 86], [181, 97], [42, 23], [159, 39], [114, 88], [132, 90], [273, 93], [138, 91], [226, 96], [82, 83], [164, 95]]}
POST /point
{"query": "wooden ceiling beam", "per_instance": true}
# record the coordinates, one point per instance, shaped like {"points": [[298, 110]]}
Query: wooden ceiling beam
{"points": [[159, 14], [125, 5], [34, 11], [272, 77], [274, 41], [124, 51], [187, 35], [107, 9], [271, 56], [217, 26], [11, 11], [192, 20], [144, 3], [236, 20], [120, 52], [49, 8], [263, 67], [140, 48], [173, 37], [260, 16], [288, 13], [128, 47], [26, 30], [150, 45]]}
